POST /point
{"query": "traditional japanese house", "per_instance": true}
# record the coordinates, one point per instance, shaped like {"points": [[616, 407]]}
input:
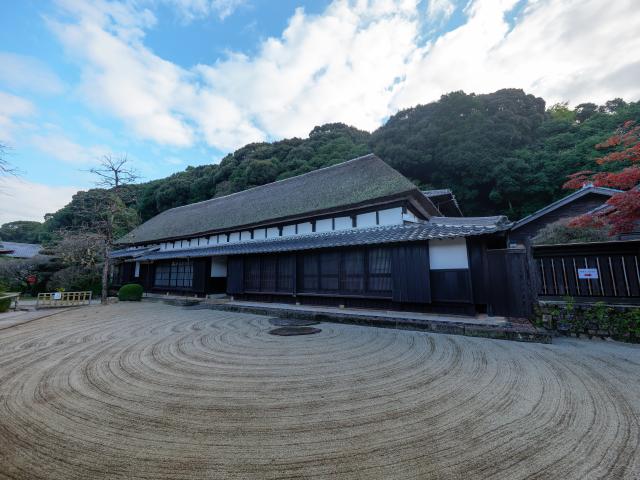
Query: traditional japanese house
{"points": [[588, 199], [356, 234]]}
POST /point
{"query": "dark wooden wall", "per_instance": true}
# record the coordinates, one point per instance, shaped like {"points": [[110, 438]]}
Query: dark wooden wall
{"points": [[410, 273], [508, 283], [617, 263], [412, 281]]}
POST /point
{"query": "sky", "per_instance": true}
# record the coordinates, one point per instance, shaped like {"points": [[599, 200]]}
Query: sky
{"points": [[173, 83]]}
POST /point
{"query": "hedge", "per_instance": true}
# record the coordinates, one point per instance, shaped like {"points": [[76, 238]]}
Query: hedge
{"points": [[131, 292], [5, 303]]}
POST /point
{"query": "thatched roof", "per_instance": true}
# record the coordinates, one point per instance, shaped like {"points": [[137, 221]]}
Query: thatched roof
{"points": [[350, 184]]}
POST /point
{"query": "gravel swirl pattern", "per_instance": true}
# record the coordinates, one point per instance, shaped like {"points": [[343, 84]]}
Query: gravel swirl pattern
{"points": [[149, 391]]}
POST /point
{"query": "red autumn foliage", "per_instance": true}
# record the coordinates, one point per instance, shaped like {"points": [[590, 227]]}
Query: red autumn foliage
{"points": [[623, 210], [587, 221]]}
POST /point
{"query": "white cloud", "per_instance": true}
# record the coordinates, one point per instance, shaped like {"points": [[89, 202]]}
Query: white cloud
{"points": [[357, 62], [440, 10], [28, 73], [192, 9], [13, 110], [576, 51], [24, 200], [62, 148]]}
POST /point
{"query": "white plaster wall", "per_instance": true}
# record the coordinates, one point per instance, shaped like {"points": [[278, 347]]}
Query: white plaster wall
{"points": [[234, 237], [273, 232], [259, 233], [245, 235], [288, 230], [343, 223], [390, 216], [219, 267], [448, 253], [365, 220], [304, 228], [324, 225], [409, 217]]}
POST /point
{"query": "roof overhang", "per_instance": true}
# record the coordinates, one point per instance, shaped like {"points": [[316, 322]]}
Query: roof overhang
{"points": [[344, 238]]}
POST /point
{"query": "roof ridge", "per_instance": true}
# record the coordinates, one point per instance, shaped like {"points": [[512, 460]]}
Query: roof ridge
{"points": [[283, 180]]}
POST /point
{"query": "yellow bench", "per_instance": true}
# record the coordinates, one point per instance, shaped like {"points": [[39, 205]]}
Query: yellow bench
{"points": [[63, 299]]}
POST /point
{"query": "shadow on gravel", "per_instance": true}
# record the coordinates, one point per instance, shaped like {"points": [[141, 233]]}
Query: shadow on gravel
{"points": [[292, 322], [292, 331]]}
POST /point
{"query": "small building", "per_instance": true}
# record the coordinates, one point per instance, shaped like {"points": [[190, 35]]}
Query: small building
{"points": [[585, 200], [19, 250], [357, 234]]}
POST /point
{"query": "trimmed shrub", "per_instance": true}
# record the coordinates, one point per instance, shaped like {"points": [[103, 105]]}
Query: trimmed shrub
{"points": [[131, 292], [5, 303]]}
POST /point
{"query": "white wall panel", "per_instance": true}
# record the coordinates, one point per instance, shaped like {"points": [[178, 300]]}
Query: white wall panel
{"points": [[390, 216], [448, 253], [304, 228], [324, 225], [273, 232], [343, 223], [288, 230], [365, 220]]}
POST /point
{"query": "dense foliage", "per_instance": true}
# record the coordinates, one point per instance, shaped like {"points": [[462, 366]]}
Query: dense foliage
{"points": [[620, 168], [24, 231], [131, 292], [500, 153]]}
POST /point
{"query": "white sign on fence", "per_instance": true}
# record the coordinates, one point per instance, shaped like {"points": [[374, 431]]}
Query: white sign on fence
{"points": [[587, 273]]}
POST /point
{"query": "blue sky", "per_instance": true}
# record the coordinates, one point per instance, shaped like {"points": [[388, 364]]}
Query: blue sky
{"points": [[173, 83]]}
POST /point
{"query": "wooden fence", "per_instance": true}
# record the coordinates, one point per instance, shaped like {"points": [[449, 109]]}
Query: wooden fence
{"points": [[608, 271], [63, 299]]}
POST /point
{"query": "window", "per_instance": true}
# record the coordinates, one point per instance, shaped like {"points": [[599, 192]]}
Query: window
{"points": [[163, 271], [380, 270], [175, 274]]}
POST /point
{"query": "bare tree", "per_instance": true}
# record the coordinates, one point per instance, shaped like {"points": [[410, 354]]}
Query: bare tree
{"points": [[105, 212], [5, 167], [113, 172]]}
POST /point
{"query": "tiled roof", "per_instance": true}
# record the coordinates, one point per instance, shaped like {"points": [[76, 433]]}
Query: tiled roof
{"points": [[587, 190], [352, 183], [21, 250], [358, 236], [500, 220], [131, 252]]}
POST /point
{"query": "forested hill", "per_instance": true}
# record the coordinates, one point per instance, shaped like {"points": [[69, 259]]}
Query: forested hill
{"points": [[503, 152]]}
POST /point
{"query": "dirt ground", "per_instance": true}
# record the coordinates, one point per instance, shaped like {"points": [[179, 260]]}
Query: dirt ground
{"points": [[158, 392]]}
